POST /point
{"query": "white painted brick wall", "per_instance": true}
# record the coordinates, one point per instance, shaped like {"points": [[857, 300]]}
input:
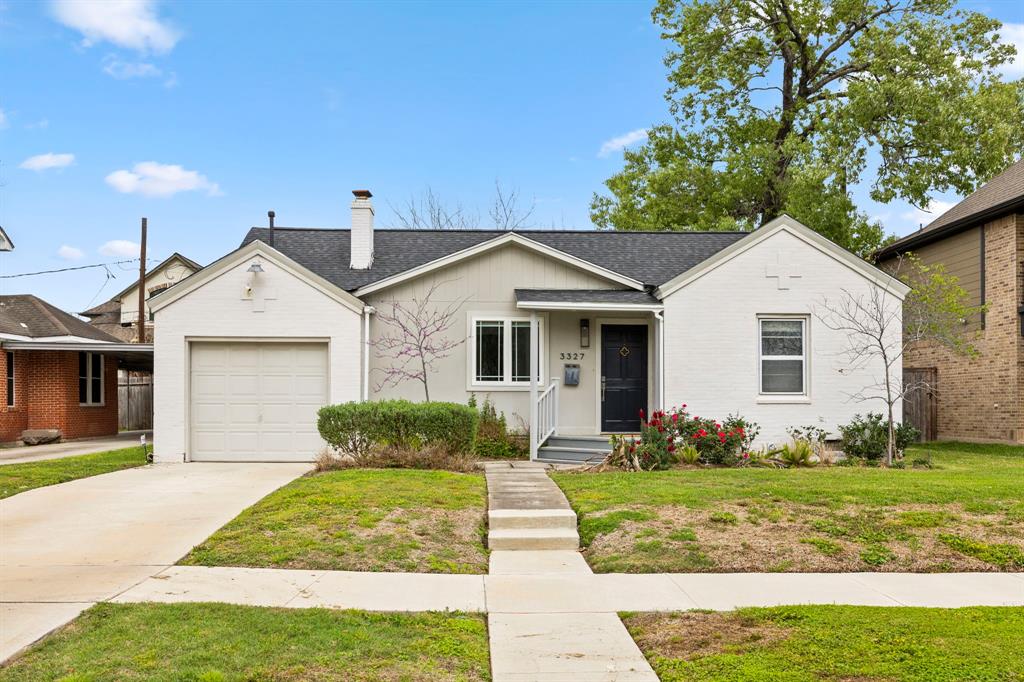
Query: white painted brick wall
{"points": [[711, 348], [217, 310]]}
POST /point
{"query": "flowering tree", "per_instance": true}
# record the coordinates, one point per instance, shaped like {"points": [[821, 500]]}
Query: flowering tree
{"points": [[414, 339], [879, 330]]}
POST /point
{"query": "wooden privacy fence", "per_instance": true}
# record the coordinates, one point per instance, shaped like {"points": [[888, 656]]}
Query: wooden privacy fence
{"points": [[920, 407], [134, 400]]}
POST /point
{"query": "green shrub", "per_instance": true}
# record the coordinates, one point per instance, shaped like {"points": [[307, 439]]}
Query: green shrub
{"points": [[356, 428], [866, 437], [799, 453], [493, 440]]}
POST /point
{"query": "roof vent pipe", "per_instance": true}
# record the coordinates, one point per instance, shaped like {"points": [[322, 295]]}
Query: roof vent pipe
{"points": [[270, 217]]}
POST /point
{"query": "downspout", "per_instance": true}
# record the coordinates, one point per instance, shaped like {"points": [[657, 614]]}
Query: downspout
{"points": [[367, 311], [659, 315]]}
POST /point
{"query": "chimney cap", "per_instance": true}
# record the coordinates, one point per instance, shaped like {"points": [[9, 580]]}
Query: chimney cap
{"points": [[362, 193]]}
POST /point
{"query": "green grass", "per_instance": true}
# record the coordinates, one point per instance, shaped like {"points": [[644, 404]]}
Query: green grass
{"points": [[873, 517], [17, 478], [359, 520], [221, 643], [855, 643]]}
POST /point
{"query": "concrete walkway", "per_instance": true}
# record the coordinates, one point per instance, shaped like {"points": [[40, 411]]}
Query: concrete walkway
{"points": [[535, 632], [65, 547], [87, 446]]}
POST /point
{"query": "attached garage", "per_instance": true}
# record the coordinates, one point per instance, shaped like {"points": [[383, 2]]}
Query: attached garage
{"points": [[246, 351], [256, 401]]}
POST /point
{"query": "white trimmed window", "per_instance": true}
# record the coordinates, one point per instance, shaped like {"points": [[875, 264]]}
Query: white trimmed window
{"points": [[90, 378], [501, 350], [783, 351]]}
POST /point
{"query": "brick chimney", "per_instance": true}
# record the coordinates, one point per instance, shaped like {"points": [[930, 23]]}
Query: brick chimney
{"points": [[362, 230]]}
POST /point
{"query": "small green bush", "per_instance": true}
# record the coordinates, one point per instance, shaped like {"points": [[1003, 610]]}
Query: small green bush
{"points": [[357, 427], [866, 437], [799, 453], [493, 439]]}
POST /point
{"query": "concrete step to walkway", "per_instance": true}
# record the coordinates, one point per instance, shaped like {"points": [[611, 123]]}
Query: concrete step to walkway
{"points": [[507, 519], [533, 538], [570, 454], [543, 562]]}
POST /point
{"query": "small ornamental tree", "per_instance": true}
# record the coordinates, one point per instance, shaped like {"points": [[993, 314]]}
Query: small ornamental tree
{"points": [[879, 330], [415, 337]]}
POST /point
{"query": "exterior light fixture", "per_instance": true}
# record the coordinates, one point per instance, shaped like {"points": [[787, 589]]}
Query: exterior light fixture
{"points": [[584, 333], [256, 268]]}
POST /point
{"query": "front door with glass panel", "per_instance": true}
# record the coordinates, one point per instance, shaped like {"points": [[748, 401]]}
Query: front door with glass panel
{"points": [[623, 377]]}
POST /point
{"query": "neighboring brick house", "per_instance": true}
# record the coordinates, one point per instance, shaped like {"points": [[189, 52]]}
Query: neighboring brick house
{"points": [[119, 316], [981, 241], [59, 371]]}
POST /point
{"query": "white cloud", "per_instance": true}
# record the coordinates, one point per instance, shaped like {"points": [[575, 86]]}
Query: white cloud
{"points": [[69, 252], [121, 248], [153, 179], [41, 162], [933, 210], [1014, 34], [3, 119], [41, 124], [122, 70], [619, 143], [132, 24]]}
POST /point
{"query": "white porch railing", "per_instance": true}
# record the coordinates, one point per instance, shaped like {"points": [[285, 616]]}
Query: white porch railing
{"points": [[545, 423]]}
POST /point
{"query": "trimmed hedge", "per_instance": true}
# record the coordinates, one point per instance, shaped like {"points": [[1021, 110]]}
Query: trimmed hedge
{"points": [[355, 428]]}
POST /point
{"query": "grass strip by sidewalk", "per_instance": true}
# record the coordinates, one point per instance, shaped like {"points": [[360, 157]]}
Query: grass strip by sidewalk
{"points": [[17, 478], [359, 520], [964, 514], [221, 642], [811, 643]]}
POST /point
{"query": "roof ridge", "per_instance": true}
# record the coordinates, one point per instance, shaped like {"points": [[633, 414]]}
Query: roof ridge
{"points": [[499, 231], [44, 308]]}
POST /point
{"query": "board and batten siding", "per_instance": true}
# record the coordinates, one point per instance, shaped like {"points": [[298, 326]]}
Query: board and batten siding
{"points": [[294, 311], [711, 340], [486, 285]]}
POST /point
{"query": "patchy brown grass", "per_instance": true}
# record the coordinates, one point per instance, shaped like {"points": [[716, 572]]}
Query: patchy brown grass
{"points": [[695, 634], [791, 537]]}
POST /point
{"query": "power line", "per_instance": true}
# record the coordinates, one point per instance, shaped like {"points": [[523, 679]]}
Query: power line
{"points": [[77, 267]]}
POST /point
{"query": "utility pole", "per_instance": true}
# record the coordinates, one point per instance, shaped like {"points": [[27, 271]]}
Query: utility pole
{"points": [[142, 285]]}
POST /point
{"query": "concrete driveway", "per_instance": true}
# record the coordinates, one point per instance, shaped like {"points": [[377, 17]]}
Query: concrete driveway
{"points": [[84, 446], [67, 546]]}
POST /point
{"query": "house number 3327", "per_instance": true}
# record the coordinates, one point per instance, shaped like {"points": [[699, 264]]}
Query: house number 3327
{"points": [[570, 356]]}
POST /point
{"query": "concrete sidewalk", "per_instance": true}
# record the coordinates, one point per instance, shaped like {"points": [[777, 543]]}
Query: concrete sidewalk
{"points": [[67, 546], [570, 592], [86, 446]]}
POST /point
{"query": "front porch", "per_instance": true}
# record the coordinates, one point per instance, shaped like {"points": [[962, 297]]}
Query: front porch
{"points": [[600, 358]]}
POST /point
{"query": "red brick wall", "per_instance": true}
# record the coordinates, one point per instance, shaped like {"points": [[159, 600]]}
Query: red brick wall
{"points": [[47, 397], [13, 419], [982, 399]]}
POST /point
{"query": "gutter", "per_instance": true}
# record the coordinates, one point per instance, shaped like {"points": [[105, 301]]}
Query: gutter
{"points": [[94, 347], [926, 236]]}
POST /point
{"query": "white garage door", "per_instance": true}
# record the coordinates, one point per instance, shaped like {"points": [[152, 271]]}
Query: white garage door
{"points": [[256, 402]]}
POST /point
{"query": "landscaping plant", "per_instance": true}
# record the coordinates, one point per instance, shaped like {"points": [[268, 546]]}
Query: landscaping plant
{"points": [[493, 439], [867, 437]]}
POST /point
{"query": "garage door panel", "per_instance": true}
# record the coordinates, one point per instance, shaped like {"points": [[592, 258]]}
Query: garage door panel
{"points": [[257, 401]]}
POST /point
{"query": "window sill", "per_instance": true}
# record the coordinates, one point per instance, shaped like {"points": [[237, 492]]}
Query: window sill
{"points": [[783, 400], [483, 388], [92, 404]]}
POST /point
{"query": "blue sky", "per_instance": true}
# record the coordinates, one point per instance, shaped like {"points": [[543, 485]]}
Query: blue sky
{"points": [[202, 116]]}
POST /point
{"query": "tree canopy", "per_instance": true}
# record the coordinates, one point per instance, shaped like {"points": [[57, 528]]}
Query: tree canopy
{"points": [[780, 106]]}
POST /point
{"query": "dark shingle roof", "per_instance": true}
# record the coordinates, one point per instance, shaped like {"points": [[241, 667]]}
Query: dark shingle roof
{"points": [[1004, 192], [623, 296], [28, 315], [649, 257]]}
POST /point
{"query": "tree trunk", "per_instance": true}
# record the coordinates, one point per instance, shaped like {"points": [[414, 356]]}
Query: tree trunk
{"points": [[423, 367]]}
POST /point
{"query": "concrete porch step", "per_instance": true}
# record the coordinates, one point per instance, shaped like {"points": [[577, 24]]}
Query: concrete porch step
{"points": [[580, 442], [508, 519], [533, 538], [550, 453]]}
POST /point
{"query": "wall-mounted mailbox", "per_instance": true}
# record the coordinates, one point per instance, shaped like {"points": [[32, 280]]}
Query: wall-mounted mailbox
{"points": [[572, 375]]}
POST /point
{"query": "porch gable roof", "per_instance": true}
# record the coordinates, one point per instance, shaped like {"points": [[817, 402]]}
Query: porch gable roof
{"points": [[594, 299]]}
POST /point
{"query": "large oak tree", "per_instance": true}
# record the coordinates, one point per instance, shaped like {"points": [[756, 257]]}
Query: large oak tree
{"points": [[781, 106]]}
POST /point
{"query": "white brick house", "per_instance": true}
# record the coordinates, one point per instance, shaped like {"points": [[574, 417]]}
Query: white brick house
{"points": [[249, 347]]}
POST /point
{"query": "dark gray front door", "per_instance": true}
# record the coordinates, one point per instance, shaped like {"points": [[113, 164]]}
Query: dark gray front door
{"points": [[623, 376]]}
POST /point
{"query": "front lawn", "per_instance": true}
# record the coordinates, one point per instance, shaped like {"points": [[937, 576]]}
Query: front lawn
{"points": [[220, 642], [17, 478], [359, 520], [964, 514], [810, 643]]}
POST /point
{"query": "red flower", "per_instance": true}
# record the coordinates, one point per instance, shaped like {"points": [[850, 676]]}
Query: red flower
{"points": [[675, 418], [641, 413]]}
